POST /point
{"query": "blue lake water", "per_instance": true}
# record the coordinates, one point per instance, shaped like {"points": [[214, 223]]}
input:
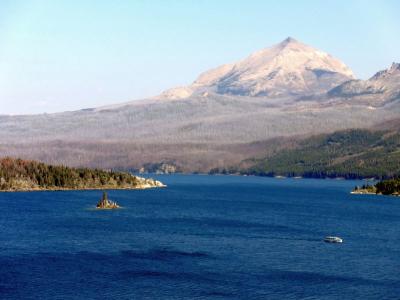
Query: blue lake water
{"points": [[203, 237]]}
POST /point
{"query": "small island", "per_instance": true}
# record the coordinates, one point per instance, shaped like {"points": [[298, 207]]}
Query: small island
{"points": [[105, 203], [383, 187], [26, 175]]}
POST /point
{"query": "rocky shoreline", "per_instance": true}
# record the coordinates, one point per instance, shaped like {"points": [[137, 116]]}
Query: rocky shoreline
{"points": [[363, 192], [372, 193], [144, 184], [371, 190]]}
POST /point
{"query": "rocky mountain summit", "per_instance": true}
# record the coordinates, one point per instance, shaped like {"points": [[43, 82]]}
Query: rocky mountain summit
{"points": [[391, 73], [288, 68]]}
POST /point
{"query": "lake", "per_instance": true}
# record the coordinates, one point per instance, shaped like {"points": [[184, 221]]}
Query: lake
{"points": [[203, 237]]}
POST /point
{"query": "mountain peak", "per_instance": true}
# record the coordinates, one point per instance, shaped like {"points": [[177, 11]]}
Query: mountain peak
{"points": [[288, 40], [287, 68], [289, 44]]}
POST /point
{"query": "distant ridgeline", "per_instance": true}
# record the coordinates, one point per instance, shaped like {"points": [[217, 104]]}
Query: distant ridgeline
{"points": [[25, 175], [350, 154]]}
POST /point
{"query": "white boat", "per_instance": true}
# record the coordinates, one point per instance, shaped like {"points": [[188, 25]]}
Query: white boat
{"points": [[333, 239]]}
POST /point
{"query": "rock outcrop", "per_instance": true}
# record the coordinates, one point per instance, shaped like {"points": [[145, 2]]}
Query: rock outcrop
{"points": [[147, 183]]}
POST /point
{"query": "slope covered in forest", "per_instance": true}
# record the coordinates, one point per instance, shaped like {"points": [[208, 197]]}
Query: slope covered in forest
{"points": [[350, 154]]}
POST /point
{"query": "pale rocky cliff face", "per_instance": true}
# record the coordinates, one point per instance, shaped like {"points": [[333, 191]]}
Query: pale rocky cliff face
{"points": [[288, 68]]}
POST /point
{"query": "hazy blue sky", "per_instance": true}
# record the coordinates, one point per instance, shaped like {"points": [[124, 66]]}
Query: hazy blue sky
{"points": [[64, 55]]}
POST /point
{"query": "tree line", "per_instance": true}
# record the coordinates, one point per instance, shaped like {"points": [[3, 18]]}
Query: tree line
{"points": [[48, 176]]}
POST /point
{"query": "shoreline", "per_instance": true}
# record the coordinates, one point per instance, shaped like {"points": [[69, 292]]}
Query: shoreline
{"points": [[81, 189], [266, 176], [372, 193], [363, 193]]}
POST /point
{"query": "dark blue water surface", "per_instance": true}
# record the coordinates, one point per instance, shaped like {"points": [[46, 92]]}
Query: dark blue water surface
{"points": [[203, 237]]}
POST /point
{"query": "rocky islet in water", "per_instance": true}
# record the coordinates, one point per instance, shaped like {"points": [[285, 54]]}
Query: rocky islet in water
{"points": [[105, 203]]}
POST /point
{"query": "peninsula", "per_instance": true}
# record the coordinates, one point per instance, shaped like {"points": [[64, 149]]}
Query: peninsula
{"points": [[384, 187], [27, 175]]}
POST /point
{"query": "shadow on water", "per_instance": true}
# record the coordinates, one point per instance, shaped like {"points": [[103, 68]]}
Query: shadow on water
{"points": [[163, 254], [320, 278], [232, 223]]}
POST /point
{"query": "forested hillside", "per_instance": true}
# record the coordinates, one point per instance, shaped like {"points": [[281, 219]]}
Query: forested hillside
{"points": [[349, 154]]}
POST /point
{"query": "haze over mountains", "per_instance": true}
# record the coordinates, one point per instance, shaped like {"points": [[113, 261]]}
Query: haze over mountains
{"points": [[228, 114]]}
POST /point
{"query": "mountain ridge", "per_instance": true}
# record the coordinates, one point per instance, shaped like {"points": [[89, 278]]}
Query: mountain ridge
{"points": [[382, 88]]}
